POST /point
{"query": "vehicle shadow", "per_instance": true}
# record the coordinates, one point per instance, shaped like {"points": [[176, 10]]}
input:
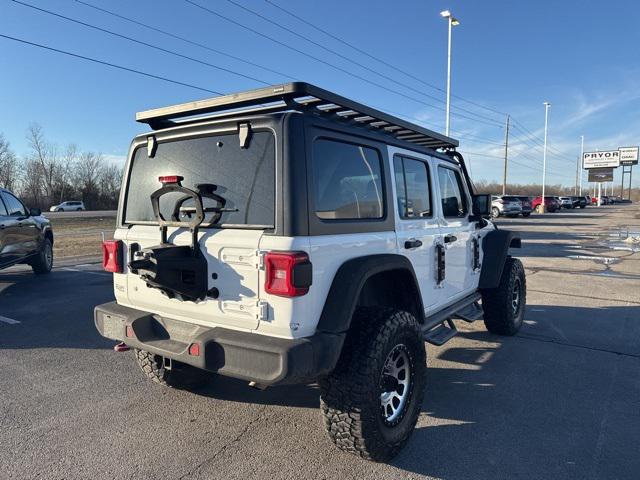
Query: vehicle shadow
{"points": [[54, 310], [508, 407]]}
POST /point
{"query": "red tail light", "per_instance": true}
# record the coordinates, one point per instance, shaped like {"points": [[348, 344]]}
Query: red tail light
{"points": [[112, 256], [288, 273]]}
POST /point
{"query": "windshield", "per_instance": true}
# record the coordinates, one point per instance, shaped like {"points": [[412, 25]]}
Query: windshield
{"points": [[243, 179]]}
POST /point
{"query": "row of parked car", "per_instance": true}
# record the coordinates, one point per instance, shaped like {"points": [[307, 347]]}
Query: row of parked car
{"points": [[514, 205]]}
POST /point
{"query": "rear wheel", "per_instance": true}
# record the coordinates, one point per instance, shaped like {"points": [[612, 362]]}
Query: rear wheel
{"points": [[43, 263], [504, 305], [372, 399], [179, 376]]}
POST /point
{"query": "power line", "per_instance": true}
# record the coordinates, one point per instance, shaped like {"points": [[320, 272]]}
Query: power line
{"points": [[378, 59], [324, 62], [109, 64], [349, 59], [186, 40], [140, 42]]}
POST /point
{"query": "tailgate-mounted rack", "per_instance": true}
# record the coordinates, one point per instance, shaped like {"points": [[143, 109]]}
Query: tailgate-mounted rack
{"points": [[296, 96]]}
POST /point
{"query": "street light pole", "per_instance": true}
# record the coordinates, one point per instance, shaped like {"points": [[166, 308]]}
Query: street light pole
{"points": [[581, 160], [452, 22], [544, 154]]}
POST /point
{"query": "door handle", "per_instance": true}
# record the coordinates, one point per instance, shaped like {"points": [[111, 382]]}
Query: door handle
{"points": [[412, 244], [450, 238]]}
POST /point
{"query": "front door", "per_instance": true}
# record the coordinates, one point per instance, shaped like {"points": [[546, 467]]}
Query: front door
{"points": [[20, 230], [457, 232]]}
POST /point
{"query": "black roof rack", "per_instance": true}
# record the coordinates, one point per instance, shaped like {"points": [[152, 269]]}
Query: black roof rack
{"points": [[296, 96]]}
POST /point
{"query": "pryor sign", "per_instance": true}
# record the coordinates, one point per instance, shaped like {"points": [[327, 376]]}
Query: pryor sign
{"points": [[608, 158]]}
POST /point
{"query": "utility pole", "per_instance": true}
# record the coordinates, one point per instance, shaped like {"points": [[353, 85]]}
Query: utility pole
{"points": [[581, 160], [544, 154], [506, 155]]}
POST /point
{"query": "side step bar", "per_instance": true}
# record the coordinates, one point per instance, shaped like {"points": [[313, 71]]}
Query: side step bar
{"points": [[439, 327]]}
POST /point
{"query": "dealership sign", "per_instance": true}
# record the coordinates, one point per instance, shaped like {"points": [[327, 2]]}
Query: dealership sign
{"points": [[628, 155], [609, 158]]}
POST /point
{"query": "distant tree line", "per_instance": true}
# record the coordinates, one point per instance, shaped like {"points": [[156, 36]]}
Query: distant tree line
{"points": [[48, 175]]}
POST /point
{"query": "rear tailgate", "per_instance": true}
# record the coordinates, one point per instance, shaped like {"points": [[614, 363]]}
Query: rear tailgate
{"points": [[233, 269]]}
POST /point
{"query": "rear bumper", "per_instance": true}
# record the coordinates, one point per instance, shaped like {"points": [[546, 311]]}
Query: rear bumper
{"points": [[248, 356]]}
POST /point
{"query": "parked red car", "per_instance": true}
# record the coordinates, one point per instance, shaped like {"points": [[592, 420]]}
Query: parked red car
{"points": [[550, 203]]}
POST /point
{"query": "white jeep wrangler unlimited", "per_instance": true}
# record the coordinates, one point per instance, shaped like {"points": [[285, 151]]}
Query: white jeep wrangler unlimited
{"points": [[290, 235]]}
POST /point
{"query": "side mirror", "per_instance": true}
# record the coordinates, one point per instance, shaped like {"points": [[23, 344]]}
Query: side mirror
{"points": [[35, 212], [481, 207]]}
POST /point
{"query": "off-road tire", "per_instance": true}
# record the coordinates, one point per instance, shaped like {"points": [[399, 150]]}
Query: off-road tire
{"points": [[180, 376], [351, 396], [43, 261], [501, 315]]}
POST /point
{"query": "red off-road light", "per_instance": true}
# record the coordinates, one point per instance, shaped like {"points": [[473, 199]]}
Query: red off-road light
{"points": [[194, 349], [129, 332], [288, 273], [112, 256], [170, 179]]}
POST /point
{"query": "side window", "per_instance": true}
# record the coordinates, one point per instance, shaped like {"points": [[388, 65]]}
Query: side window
{"points": [[347, 181], [14, 206], [454, 200], [412, 186], [3, 209]]}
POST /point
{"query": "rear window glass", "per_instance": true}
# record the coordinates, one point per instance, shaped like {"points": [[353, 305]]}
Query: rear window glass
{"points": [[412, 186], [244, 178], [347, 181]]}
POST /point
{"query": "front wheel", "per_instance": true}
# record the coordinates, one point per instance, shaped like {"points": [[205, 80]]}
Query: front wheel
{"points": [[43, 262], [495, 213], [504, 305], [372, 399]]}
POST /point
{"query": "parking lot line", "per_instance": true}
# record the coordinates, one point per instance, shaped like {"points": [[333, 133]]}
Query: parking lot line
{"points": [[8, 320]]}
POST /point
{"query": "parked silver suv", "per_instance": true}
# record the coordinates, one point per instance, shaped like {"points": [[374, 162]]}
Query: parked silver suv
{"points": [[507, 205]]}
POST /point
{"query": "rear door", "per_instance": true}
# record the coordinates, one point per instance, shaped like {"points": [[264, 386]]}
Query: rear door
{"points": [[417, 227], [244, 180], [458, 232]]}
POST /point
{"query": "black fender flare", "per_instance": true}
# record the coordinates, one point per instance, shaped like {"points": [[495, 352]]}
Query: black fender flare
{"points": [[495, 248], [348, 282]]}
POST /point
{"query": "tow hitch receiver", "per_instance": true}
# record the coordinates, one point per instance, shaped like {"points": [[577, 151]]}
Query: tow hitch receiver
{"points": [[178, 271]]}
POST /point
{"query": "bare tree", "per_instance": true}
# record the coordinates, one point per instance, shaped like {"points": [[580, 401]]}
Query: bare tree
{"points": [[45, 155], [8, 165]]}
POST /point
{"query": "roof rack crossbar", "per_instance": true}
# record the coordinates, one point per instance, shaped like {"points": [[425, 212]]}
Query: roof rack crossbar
{"points": [[295, 96]]}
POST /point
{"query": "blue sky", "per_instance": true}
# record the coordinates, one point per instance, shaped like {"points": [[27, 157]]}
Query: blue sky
{"points": [[582, 56]]}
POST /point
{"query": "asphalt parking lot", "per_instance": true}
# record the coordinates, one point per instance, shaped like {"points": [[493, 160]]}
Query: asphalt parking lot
{"points": [[561, 400]]}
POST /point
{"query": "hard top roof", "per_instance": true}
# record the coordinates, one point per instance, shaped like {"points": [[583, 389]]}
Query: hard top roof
{"points": [[295, 96]]}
